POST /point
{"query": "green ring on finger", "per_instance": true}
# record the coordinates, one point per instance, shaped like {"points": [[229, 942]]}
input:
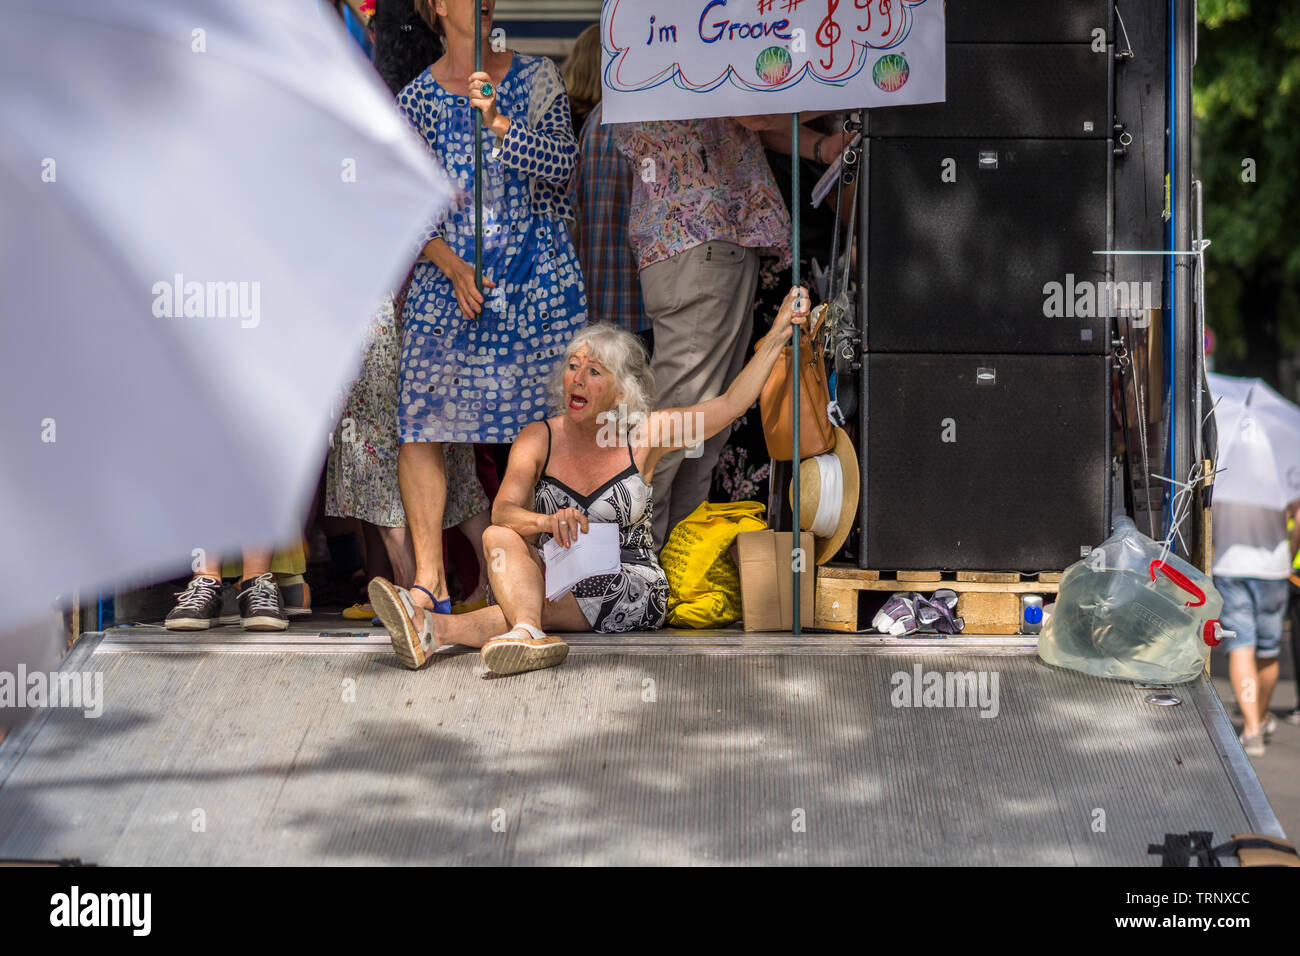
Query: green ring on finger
{"points": [[486, 90]]}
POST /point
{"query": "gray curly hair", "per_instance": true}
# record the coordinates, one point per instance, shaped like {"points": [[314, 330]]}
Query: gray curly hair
{"points": [[624, 356]]}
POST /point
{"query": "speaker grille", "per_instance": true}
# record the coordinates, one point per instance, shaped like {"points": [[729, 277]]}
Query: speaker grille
{"points": [[961, 266], [1025, 21], [1011, 90], [984, 462]]}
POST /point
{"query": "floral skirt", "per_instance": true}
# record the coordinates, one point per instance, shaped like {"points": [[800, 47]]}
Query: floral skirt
{"points": [[361, 477]]}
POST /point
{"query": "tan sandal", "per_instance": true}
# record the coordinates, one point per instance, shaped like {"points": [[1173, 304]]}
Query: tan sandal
{"points": [[523, 648], [412, 643]]}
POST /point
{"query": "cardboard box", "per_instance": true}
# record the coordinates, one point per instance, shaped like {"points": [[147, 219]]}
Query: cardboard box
{"points": [[766, 580]]}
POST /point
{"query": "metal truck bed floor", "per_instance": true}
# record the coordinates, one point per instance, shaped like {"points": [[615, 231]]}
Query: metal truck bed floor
{"points": [[686, 748]]}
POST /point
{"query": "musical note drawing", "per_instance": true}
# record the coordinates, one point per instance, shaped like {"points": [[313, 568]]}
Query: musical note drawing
{"points": [[891, 32], [828, 33]]}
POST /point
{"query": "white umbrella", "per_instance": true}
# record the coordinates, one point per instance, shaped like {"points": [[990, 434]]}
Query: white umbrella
{"points": [[200, 203], [1259, 443]]}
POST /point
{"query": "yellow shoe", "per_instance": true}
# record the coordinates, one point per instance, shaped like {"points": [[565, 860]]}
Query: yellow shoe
{"points": [[360, 612]]}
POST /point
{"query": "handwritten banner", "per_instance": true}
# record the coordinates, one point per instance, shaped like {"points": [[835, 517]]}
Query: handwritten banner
{"points": [[686, 59]]}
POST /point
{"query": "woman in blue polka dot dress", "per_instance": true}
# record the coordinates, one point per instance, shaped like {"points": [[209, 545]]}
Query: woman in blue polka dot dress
{"points": [[475, 365]]}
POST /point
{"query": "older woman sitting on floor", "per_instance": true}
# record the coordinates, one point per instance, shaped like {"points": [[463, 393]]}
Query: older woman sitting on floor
{"points": [[587, 464]]}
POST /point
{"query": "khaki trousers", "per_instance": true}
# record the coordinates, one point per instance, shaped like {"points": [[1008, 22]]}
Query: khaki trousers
{"points": [[700, 303]]}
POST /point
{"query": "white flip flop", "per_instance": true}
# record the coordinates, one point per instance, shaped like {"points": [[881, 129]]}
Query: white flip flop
{"points": [[523, 648]]}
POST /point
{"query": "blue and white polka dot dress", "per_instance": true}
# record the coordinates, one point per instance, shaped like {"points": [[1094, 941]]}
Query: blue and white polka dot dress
{"points": [[482, 380]]}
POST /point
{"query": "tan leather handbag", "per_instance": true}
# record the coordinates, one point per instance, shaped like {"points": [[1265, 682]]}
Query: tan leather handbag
{"points": [[816, 433]]}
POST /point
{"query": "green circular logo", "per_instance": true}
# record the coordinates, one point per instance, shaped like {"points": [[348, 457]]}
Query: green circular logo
{"points": [[773, 64], [890, 72]]}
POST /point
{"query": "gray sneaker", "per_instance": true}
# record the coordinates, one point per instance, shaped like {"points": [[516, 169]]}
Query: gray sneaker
{"points": [[1253, 744], [261, 608], [197, 607], [1269, 728]]}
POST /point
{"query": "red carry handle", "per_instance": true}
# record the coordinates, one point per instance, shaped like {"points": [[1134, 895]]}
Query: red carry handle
{"points": [[1181, 580], [1208, 635]]}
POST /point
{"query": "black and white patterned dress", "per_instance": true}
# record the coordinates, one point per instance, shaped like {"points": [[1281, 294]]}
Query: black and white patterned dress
{"points": [[635, 599]]}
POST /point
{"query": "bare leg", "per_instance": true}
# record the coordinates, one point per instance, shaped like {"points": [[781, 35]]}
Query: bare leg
{"points": [[256, 563], [1268, 670], [518, 585], [374, 557], [401, 554], [469, 630], [1244, 675], [422, 476], [478, 627], [209, 567], [473, 529]]}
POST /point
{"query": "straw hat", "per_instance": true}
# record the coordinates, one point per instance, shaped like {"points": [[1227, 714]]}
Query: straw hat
{"points": [[843, 511]]}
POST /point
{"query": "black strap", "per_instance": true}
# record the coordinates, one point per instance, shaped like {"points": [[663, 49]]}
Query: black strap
{"points": [[547, 463], [1254, 843], [1179, 848], [1175, 851]]}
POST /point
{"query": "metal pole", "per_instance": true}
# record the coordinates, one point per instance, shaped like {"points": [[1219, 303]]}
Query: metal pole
{"points": [[796, 205], [1182, 425], [478, 159]]}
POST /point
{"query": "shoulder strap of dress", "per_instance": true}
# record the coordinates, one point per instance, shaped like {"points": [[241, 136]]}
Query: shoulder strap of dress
{"points": [[547, 463]]}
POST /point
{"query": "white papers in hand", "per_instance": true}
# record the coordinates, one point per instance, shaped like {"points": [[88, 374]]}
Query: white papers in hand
{"points": [[594, 553]]}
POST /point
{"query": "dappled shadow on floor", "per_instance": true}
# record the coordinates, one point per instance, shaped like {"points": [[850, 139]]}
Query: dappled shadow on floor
{"points": [[612, 758]]}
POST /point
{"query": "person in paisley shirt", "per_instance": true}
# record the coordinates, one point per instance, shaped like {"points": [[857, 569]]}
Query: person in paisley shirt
{"points": [[704, 207]]}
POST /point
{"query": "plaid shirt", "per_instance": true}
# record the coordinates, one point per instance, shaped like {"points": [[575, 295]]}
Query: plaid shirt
{"points": [[602, 197]]}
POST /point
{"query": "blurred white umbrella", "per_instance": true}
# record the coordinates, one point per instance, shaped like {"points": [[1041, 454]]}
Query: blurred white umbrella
{"points": [[1259, 443], [199, 204]]}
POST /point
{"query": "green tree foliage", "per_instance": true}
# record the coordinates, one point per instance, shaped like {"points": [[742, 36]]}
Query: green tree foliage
{"points": [[1247, 105]]}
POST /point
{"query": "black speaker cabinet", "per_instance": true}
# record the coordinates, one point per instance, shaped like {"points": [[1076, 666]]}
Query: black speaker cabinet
{"points": [[1025, 21], [1011, 90], [966, 237], [983, 462]]}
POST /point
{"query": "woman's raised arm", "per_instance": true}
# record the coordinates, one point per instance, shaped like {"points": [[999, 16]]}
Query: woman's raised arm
{"points": [[672, 428]]}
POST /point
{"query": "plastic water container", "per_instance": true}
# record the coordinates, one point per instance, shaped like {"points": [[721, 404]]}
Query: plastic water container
{"points": [[1125, 613]]}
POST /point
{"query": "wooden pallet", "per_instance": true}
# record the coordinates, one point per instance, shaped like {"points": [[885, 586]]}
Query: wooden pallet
{"points": [[988, 601]]}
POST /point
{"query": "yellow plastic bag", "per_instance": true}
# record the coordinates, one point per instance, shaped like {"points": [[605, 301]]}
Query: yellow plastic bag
{"points": [[703, 582]]}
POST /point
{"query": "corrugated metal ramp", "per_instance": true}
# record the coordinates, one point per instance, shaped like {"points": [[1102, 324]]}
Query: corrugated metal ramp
{"points": [[668, 748]]}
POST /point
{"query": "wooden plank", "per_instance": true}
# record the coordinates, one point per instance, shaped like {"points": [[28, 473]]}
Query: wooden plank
{"points": [[841, 572], [989, 613], [836, 607], [915, 576], [1020, 587], [878, 580]]}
